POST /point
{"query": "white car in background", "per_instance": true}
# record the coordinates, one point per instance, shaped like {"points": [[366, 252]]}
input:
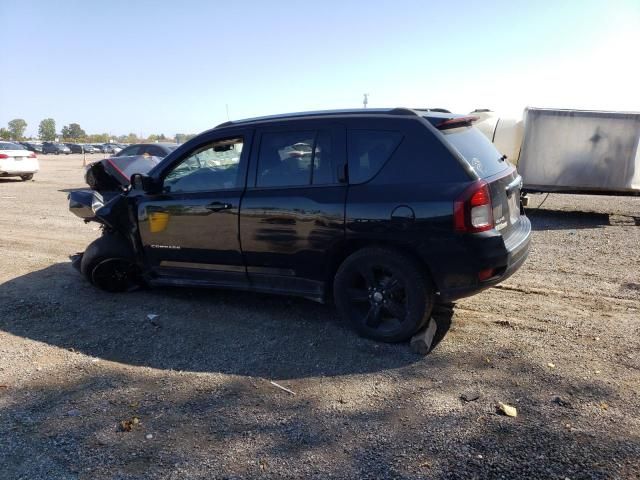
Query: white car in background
{"points": [[16, 161]]}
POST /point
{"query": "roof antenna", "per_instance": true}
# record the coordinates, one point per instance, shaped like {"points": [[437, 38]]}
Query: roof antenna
{"points": [[365, 100], [227, 107]]}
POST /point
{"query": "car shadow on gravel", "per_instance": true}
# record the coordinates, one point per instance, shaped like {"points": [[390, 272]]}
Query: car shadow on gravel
{"points": [[200, 330], [234, 427], [545, 219]]}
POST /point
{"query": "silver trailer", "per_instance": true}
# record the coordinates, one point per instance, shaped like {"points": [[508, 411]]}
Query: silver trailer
{"points": [[580, 151], [571, 151]]}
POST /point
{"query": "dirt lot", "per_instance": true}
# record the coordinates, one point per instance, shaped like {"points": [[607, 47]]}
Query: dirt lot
{"points": [[559, 340]]}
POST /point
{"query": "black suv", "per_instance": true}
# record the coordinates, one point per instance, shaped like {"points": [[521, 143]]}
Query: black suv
{"points": [[75, 147], [55, 148], [384, 211]]}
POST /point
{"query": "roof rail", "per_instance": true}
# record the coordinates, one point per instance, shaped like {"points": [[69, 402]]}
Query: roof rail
{"points": [[319, 113]]}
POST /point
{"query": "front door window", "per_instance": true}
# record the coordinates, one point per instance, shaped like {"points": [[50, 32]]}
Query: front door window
{"points": [[214, 166]]}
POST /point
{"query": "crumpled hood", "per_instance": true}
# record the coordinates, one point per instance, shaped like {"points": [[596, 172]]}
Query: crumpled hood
{"points": [[114, 173]]}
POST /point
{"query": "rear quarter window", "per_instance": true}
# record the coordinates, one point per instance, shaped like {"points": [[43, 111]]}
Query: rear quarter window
{"points": [[368, 151], [476, 149]]}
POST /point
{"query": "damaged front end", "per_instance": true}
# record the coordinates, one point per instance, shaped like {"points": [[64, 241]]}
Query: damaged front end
{"points": [[108, 209], [107, 201], [108, 179], [90, 205], [85, 203]]}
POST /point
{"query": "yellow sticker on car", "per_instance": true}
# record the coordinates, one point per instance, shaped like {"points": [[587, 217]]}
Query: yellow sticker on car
{"points": [[158, 221]]}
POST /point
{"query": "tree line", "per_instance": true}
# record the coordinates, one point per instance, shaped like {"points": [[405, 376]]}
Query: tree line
{"points": [[74, 133]]}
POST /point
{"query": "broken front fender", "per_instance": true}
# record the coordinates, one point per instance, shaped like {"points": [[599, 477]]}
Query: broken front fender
{"points": [[99, 207], [80, 204]]}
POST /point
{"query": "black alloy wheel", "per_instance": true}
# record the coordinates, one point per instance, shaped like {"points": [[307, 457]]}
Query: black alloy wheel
{"points": [[109, 264], [384, 294], [115, 275]]}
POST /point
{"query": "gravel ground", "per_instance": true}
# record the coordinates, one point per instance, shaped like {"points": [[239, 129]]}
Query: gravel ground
{"points": [[90, 388]]}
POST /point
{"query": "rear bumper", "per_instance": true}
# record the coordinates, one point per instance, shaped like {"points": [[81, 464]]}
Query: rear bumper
{"points": [[13, 168], [505, 263], [16, 173]]}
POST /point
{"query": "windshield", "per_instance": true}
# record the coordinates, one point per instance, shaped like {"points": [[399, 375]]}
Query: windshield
{"points": [[477, 150]]}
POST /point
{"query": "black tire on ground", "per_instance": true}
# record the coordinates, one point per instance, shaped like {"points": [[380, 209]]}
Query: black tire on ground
{"points": [[109, 264], [384, 294], [26, 177]]}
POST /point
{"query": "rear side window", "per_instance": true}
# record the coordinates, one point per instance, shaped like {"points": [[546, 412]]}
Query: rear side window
{"points": [[476, 149], [369, 150]]}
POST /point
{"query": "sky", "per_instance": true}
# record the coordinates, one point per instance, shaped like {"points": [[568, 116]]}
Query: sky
{"points": [[177, 67]]}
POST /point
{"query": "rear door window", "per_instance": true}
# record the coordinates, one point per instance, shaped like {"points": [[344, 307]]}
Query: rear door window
{"points": [[476, 149], [322, 173], [292, 159], [368, 151]]}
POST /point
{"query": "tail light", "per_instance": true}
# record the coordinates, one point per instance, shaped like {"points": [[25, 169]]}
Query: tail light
{"points": [[4, 155], [472, 211], [486, 274], [32, 155]]}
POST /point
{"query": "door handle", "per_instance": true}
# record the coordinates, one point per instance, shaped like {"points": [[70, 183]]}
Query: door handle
{"points": [[217, 206]]}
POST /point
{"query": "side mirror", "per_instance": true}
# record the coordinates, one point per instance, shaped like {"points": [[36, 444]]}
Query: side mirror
{"points": [[142, 182]]}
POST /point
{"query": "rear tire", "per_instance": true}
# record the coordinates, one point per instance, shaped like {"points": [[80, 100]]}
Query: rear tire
{"points": [[383, 294], [26, 178], [109, 264]]}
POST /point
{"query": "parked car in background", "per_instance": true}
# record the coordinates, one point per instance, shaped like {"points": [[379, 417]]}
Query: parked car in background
{"points": [[89, 148], [386, 212], [160, 150], [55, 148], [111, 148], [32, 147], [75, 147], [17, 161]]}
